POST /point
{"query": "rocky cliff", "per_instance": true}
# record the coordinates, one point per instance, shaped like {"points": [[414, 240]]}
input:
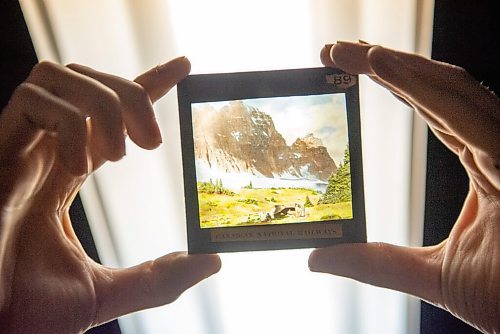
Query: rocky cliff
{"points": [[241, 138]]}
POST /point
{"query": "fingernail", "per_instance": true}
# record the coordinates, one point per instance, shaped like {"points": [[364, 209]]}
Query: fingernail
{"points": [[363, 42], [180, 58], [325, 55], [183, 59], [329, 50]]}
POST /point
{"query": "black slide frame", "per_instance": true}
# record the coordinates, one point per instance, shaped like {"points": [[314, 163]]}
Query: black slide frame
{"points": [[248, 85]]}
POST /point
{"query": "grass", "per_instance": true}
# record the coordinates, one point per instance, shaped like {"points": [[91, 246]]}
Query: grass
{"points": [[246, 206]]}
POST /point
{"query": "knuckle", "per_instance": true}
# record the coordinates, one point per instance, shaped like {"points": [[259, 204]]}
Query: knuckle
{"points": [[71, 65], [459, 69], [110, 110], [138, 92], [147, 280], [43, 68], [23, 94], [460, 73], [134, 97], [76, 118], [105, 98]]}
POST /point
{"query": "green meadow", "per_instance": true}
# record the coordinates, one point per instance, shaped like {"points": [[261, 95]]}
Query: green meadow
{"points": [[247, 206]]}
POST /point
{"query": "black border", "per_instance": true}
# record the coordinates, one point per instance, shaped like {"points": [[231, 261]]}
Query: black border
{"points": [[247, 85]]}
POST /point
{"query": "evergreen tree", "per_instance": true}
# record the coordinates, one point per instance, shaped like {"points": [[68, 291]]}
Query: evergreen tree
{"points": [[211, 188], [339, 184], [308, 203], [218, 188]]}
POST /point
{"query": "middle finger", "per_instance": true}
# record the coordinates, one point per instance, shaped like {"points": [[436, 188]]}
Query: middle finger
{"points": [[138, 113], [92, 98]]}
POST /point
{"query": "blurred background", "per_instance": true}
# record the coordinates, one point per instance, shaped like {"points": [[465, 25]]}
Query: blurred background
{"points": [[135, 208]]}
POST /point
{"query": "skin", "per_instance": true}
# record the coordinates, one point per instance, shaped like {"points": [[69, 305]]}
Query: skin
{"points": [[61, 124], [462, 273]]}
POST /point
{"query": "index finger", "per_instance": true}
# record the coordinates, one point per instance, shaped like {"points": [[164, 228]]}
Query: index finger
{"points": [[137, 97], [160, 79], [443, 92]]}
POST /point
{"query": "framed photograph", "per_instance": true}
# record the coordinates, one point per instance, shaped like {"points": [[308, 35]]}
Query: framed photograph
{"points": [[272, 160]]}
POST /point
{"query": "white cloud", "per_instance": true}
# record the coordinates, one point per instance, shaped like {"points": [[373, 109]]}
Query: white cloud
{"points": [[323, 115]]}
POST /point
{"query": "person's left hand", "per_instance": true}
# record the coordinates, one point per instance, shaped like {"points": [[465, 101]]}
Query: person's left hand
{"points": [[61, 124]]}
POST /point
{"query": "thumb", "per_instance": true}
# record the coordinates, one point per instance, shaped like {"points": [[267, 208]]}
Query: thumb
{"points": [[150, 284], [415, 271]]}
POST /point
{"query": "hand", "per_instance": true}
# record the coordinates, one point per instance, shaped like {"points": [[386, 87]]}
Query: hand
{"points": [[461, 274], [61, 124]]}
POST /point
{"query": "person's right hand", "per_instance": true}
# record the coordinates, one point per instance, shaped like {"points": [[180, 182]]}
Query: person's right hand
{"points": [[461, 274]]}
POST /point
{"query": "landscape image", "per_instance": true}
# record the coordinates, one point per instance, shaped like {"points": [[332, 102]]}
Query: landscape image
{"points": [[275, 160]]}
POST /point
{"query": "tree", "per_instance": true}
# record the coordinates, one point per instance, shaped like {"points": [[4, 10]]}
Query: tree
{"points": [[339, 183], [307, 203], [211, 188], [219, 186]]}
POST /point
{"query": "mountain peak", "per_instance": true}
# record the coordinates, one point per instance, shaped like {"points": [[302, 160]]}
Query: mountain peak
{"points": [[242, 138], [310, 141]]}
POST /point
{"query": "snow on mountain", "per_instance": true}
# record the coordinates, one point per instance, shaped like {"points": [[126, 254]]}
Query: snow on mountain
{"points": [[242, 139]]}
